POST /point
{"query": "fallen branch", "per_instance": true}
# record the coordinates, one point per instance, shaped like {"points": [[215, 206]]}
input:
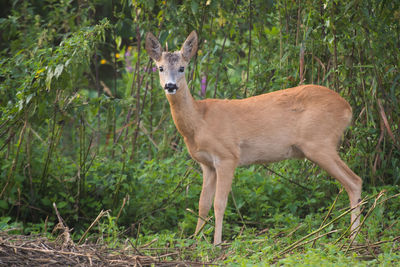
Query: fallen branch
{"points": [[101, 214]]}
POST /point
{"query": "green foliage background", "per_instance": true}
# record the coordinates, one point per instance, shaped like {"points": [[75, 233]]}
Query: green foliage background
{"points": [[85, 124]]}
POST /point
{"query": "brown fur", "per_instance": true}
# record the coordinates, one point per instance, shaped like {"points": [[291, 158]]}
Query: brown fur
{"points": [[304, 121]]}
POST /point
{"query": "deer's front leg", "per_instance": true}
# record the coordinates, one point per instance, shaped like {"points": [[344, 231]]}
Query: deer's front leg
{"points": [[225, 171], [207, 194]]}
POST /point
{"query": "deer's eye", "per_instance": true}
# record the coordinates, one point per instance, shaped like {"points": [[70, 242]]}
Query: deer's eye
{"points": [[181, 69], [161, 69]]}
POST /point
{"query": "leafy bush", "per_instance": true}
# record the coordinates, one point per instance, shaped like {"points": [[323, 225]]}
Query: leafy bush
{"points": [[84, 123]]}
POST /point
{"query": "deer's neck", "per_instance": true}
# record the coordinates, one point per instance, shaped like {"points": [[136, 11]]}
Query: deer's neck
{"points": [[184, 111]]}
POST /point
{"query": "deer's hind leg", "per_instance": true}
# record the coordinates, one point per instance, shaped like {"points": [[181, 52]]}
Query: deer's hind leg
{"points": [[328, 159]]}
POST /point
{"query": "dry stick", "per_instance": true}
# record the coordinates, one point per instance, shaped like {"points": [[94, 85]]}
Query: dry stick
{"points": [[377, 196], [15, 160], [60, 220], [166, 200], [287, 179], [301, 63], [113, 109], [151, 242], [377, 147], [335, 56], [312, 62], [120, 210], [207, 63], [377, 244], [83, 166], [139, 117], [320, 229], [45, 224], [312, 240], [206, 220], [128, 116], [219, 64], [359, 227], [248, 58], [329, 211], [298, 22], [289, 248], [348, 228], [190, 78], [386, 199], [283, 232], [9, 138], [294, 230], [317, 237], [365, 218], [48, 251], [138, 108], [135, 248], [2, 125], [137, 235], [280, 38], [97, 86], [139, 84], [50, 150], [135, 77], [149, 134], [321, 64], [390, 226], [62, 226], [333, 205], [29, 162], [222, 52], [101, 214], [68, 255], [237, 209], [386, 123], [371, 251]]}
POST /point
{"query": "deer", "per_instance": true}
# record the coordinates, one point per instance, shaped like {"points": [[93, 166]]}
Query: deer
{"points": [[306, 121]]}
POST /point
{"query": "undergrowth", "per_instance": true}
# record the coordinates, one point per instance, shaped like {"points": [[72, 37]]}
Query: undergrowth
{"points": [[84, 124], [268, 228]]}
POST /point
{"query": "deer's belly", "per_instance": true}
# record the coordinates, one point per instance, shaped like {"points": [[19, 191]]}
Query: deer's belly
{"points": [[251, 153]]}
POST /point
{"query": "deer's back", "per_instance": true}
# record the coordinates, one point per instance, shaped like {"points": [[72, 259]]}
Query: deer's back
{"points": [[273, 126]]}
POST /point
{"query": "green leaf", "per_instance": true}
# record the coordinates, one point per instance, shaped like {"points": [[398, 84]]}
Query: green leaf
{"points": [[58, 70], [62, 204], [195, 7], [49, 77], [3, 204]]}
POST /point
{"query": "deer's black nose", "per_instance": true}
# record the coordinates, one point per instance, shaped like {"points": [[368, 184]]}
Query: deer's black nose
{"points": [[170, 86]]}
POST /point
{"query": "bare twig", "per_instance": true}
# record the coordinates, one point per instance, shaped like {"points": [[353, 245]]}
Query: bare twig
{"points": [[237, 209], [357, 230], [101, 214], [15, 160], [65, 237], [287, 179], [122, 207], [288, 248], [330, 210]]}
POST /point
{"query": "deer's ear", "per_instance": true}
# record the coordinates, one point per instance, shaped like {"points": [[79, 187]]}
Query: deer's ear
{"points": [[153, 47], [189, 47]]}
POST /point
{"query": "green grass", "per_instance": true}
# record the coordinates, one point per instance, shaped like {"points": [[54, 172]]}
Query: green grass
{"points": [[377, 244]]}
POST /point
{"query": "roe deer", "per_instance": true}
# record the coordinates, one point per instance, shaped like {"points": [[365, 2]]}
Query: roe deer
{"points": [[304, 121]]}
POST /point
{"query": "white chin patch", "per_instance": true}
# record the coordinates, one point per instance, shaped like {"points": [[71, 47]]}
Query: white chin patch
{"points": [[170, 92]]}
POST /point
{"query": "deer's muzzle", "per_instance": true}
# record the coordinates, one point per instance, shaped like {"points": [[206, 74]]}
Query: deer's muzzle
{"points": [[170, 88]]}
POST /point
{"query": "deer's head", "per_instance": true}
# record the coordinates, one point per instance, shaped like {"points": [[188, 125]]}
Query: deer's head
{"points": [[171, 65]]}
